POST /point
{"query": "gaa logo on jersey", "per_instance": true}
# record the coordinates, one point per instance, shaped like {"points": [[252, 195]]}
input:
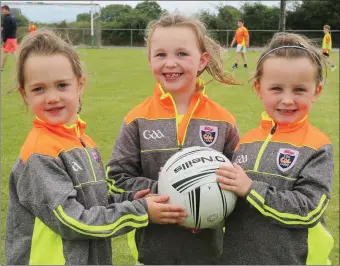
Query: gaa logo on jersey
{"points": [[286, 158], [208, 135]]}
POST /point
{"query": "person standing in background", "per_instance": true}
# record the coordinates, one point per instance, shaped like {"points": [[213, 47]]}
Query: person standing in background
{"points": [[327, 44], [31, 27], [242, 40], [9, 31]]}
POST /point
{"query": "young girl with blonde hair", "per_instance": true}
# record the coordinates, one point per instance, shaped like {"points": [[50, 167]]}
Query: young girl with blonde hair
{"points": [[178, 115], [284, 181]]}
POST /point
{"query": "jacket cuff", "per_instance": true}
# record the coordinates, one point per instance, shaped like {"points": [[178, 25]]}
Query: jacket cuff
{"points": [[143, 202], [131, 195], [258, 187]]}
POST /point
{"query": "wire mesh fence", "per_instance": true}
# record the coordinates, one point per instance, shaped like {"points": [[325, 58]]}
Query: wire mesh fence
{"points": [[135, 37]]}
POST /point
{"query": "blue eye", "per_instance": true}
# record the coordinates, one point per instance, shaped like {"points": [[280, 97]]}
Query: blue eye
{"points": [[160, 55], [275, 89], [182, 54], [39, 89]]}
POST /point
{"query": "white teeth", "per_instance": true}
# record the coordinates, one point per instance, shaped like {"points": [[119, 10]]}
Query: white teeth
{"points": [[172, 75], [287, 111]]}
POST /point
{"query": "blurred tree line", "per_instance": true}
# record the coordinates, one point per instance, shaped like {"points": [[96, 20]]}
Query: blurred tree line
{"points": [[301, 15]]}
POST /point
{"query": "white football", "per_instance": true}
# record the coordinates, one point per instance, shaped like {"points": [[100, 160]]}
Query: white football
{"points": [[189, 179]]}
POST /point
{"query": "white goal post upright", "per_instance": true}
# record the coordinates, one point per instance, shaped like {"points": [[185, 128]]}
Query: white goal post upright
{"points": [[92, 34], [57, 3], [92, 22]]}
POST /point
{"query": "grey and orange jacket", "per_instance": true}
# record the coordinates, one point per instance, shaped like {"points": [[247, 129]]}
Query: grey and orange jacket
{"points": [[280, 221], [148, 137], [59, 210]]}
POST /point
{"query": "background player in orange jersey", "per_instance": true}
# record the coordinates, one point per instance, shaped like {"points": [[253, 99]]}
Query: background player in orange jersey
{"points": [[242, 40], [32, 27]]}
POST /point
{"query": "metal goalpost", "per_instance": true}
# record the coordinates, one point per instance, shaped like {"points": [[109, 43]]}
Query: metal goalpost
{"points": [[91, 5]]}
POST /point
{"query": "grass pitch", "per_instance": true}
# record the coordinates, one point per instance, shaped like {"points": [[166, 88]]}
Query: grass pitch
{"points": [[119, 79]]}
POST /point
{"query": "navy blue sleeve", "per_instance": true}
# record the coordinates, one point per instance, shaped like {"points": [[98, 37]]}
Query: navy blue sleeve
{"points": [[9, 28]]}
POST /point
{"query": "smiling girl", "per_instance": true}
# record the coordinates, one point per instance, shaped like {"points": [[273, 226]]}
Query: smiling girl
{"points": [[60, 210], [284, 181], [178, 115]]}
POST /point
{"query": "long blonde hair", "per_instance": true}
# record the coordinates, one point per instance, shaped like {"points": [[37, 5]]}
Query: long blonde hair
{"points": [[215, 66]]}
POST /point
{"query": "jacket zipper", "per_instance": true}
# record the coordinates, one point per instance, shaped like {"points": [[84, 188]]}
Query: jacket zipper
{"points": [[263, 147], [88, 156], [180, 145]]}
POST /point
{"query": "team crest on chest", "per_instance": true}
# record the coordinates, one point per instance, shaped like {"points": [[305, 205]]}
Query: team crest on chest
{"points": [[208, 135], [286, 158]]}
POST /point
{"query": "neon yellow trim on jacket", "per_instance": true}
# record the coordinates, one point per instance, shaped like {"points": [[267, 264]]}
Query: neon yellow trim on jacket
{"points": [[46, 247], [265, 173], [132, 245], [75, 125], [320, 244], [169, 149], [263, 147], [193, 111], [130, 223], [93, 172], [179, 119], [265, 116], [291, 215], [97, 228], [111, 182], [165, 95], [264, 211]]}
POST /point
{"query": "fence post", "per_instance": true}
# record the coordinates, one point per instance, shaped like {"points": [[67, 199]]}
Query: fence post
{"points": [[131, 37], [227, 38], [83, 37], [282, 24]]}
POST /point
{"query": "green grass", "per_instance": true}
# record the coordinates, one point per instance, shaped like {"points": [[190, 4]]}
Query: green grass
{"points": [[119, 79]]}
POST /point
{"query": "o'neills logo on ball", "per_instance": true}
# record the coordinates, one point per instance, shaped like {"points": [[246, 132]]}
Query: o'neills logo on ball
{"points": [[286, 158], [191, 163], [208, 135]]}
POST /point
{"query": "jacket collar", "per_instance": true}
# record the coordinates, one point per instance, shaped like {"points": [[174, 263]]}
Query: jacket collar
{"points": [[167, 101], [77, 129], [268, 123]]}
